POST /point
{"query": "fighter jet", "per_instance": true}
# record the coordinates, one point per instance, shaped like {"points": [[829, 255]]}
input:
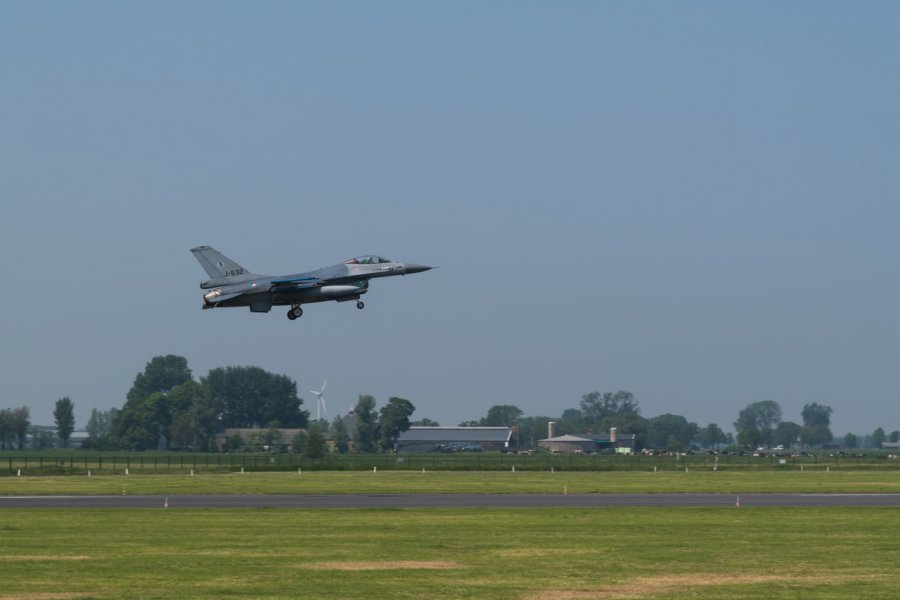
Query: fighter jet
{"points": [[233, 285]]}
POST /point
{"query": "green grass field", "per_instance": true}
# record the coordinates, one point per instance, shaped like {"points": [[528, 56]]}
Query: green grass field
{"points": [[394, 482], [526, 554]]}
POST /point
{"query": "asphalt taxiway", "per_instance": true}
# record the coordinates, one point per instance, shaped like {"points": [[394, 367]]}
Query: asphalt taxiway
{"points": [[387, 501]]}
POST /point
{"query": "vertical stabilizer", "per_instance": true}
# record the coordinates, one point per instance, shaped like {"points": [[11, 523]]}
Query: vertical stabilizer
{"points": [[217, 265]]}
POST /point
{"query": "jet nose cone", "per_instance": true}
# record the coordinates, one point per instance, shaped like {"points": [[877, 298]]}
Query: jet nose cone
{"points": [[409, 268]]}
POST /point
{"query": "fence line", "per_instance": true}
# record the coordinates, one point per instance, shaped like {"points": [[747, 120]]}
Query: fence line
{"points": [[75, 462]]}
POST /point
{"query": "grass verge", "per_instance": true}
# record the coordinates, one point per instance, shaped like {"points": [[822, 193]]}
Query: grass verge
{"points": [[528, 554]]}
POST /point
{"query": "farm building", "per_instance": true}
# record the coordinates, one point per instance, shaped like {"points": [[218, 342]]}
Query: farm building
{"points": [[588, 443], [453, 439]]}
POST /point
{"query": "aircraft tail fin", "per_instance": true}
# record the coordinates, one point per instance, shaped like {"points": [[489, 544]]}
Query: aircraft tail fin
{"points": [[217, 265]]}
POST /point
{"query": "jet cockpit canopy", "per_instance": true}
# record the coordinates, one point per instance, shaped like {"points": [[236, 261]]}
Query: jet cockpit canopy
{"points": [[366, 260]]}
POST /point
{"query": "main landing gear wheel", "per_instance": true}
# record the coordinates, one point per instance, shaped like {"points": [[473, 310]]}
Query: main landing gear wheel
{"points": [[360, 305], [295, 313]]}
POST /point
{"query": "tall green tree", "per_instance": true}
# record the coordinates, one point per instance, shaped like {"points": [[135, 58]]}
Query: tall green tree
{"points": [[816, 424], [100, 422], [253, 397], [165, 420], [315, 443], [850, 441], [6, 428], [340, 436], [393, 419], [144, 425], [64, 416], [176, 417], [750, 436], [756, 424], [180, 434], [878, 437], [14, 425], [816, 414], [298, 442], [145, 420], [21, 421], [597, 407], [191, 418], [161, 374], [205, 421], [502, 415], [712, 436], [671, 432], [41, 439], [531, 430], [100, 430], [572, 420], [365, 437], [620, 410], [787, 434]]}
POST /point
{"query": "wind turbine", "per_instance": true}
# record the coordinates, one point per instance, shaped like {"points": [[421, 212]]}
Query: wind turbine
{"points": [[320, 400]]}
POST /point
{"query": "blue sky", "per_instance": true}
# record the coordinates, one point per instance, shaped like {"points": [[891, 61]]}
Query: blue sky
{"points": [[696, 202]]}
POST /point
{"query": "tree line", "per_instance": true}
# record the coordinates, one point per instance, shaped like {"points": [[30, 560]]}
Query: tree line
{"points": [[167, 409], [759, 424]]}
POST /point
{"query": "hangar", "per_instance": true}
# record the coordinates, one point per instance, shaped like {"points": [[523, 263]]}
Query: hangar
{"points": [[453, 439]]}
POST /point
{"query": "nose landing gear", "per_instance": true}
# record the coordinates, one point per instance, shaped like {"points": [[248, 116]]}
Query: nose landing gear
{"points": [[295, 312]]}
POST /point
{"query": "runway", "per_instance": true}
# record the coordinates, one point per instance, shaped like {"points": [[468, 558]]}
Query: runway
{"points": [[393, 501]]}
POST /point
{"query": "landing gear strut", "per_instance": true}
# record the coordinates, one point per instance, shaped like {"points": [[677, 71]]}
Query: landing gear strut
{"points": [[360, 305], [295, 312]]}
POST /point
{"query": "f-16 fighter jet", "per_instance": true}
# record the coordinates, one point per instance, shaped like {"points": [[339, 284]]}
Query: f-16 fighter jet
{"points": [[233, 285]]}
